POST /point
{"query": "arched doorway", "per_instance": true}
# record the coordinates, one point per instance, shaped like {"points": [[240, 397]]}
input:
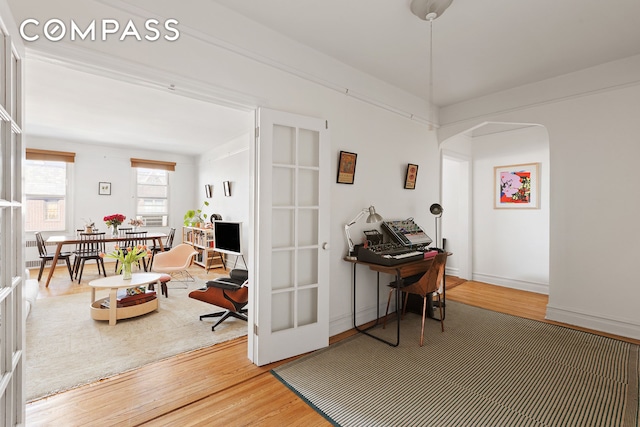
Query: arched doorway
{"points": [[503, 247]]}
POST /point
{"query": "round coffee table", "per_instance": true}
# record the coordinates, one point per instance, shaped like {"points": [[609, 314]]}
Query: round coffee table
{"points": [[113, 283]]}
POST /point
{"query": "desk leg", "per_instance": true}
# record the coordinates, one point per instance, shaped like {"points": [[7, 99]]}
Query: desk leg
{"points": [[53, 264], [365, 330]]}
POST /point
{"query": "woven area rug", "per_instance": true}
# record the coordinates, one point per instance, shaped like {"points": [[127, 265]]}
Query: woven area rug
{"points": [[67, 348], [486, 369]]}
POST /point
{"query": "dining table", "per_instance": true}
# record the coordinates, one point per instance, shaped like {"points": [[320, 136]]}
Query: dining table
{"points": [[61, 240]]}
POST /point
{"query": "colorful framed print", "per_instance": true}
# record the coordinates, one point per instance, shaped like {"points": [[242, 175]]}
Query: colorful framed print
{"points": [[346, 167], [517, 186], [410, 178]]}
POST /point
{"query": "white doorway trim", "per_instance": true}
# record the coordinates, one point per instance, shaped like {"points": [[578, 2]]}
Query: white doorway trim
{"points": [[459, 223]]}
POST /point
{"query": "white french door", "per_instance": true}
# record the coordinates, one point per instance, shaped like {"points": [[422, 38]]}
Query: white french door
{"points": [[290, 311], [12, 272]]}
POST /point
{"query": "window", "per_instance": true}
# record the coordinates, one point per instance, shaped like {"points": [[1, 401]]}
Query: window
{"points": [[45, 185], [152, 194]]}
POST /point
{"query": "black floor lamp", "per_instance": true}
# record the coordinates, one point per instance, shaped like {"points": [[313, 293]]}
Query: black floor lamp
{"points": [[436, 210]]}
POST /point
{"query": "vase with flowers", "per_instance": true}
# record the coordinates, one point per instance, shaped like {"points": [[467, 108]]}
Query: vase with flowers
{"points": [[136, 222], [126, 257], [113, 221]]}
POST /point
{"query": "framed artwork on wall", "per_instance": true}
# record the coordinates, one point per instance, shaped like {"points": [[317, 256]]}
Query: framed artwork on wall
{"points": [[411, 177], [516, 186], [346, 167], [104, 188]]}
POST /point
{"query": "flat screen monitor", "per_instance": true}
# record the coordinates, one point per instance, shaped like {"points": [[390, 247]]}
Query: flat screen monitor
{"points": [[227, 237]]}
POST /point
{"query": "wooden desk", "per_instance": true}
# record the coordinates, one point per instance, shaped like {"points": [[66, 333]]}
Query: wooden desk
{"points": [[60, 241], [400, 271]]}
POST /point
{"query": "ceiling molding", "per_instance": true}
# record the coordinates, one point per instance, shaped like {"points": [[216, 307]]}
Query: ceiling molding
{"points": [[264, 60], [491, 114], [104, 65]]}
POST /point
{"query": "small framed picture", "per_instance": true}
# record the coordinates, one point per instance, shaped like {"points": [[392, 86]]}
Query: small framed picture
{"points": [[516, 186], [412, 175], [104, 188], [346, 167]]}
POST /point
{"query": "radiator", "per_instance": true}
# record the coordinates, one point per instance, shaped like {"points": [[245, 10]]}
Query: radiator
{"points": [[33, 257]]}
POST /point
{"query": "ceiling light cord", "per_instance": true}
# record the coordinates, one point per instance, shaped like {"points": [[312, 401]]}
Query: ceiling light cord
{"points": [[430, 97]]}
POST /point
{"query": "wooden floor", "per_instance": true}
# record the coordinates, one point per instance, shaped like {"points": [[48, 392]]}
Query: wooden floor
{"points": [[218, 385]]}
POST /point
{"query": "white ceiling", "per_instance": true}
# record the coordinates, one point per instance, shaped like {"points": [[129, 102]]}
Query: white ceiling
{"points": [[73, 105], [480, 47]]}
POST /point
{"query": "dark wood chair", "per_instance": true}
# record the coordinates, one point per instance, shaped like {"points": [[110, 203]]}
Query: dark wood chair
{"points": [[133, 239], [426, 285], [46, 257], [90, 247]]}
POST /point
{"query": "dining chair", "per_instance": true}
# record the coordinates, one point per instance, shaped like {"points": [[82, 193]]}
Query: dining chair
{"points": [[167, 246], [133, 239], [90, 247], [46, 257], [122, 231], [176, 262], [426, 285]]}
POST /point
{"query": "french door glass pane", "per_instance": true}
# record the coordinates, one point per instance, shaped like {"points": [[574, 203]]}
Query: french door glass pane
{"points": [[308, 148], [283, 186], [282, 228], [308, 185], [282, 270], [307, 227], [307, 306], [284, 138], [282, 312]]}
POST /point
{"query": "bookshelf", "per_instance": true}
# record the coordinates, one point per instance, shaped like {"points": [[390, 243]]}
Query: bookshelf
{"points": [[202, 240]]}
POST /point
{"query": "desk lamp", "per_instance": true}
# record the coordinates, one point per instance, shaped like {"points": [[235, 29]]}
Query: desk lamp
{"points": [[436, 210], [372, 218]]}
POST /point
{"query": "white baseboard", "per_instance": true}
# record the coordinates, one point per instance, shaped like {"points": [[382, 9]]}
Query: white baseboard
{"points": [[539, 288], [452, 271], [345, 322], [594, 321]]}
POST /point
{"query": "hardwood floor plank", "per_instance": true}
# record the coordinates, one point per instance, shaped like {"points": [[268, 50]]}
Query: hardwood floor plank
{"points": [[219, 385]]}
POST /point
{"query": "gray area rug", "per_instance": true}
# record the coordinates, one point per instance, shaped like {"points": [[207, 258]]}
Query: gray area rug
{"points": [[486, 369], [66, 348]]}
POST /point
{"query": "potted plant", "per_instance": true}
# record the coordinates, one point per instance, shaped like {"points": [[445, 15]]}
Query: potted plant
{"points": [[195, 217]]}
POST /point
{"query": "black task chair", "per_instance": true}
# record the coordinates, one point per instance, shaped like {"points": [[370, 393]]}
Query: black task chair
{"points": [[46, 257], [431, 283], [230, 293]]}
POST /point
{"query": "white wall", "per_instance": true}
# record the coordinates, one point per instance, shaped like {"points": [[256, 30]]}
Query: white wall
{"points": [[98, 163], [594, 150], [510, 246], [229, 62], [229, 162]]}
